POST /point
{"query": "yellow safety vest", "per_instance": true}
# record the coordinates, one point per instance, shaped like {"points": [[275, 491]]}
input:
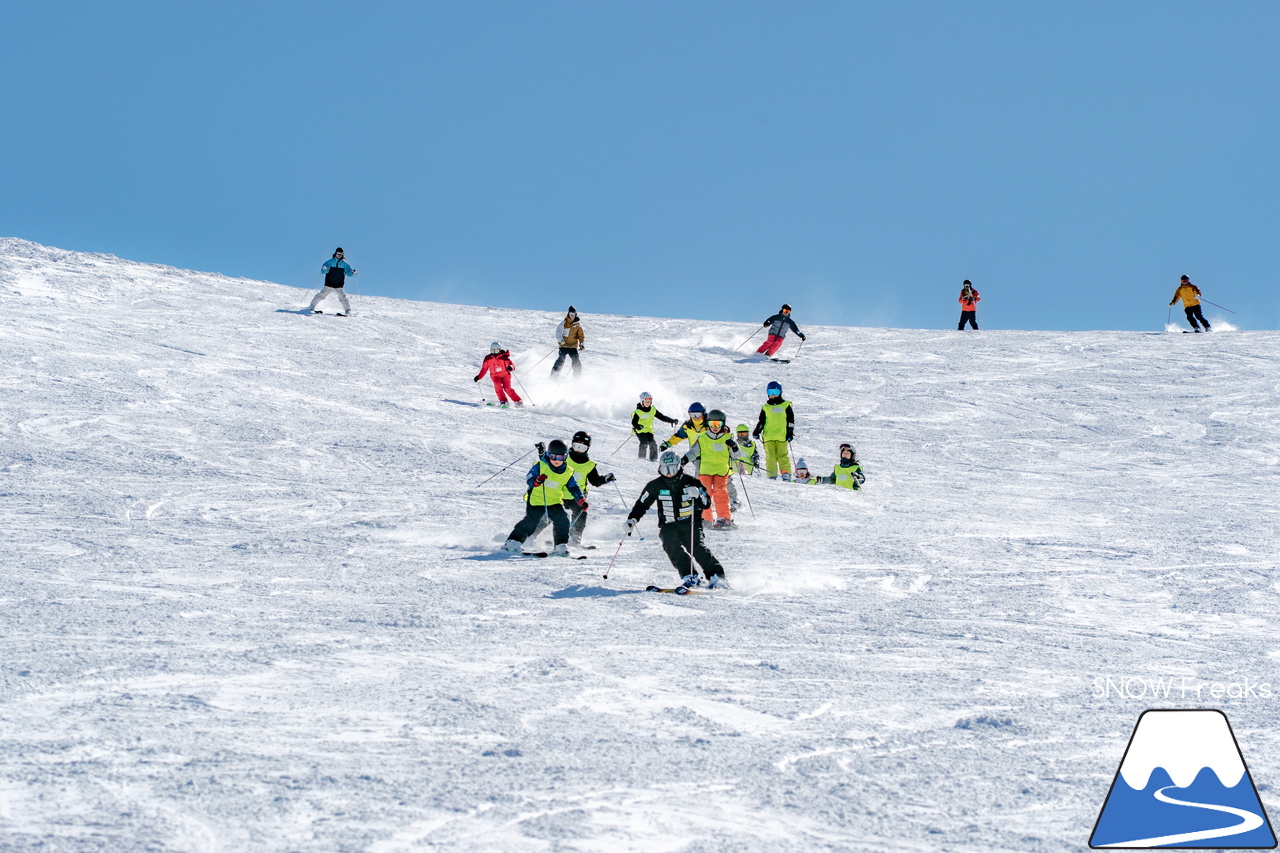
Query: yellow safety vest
{"points": [[713, 453], [580, 472], [554, 490]]}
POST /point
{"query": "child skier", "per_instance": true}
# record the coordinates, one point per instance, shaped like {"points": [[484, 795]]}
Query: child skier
{"points": [[803, 476], [570, 338], [969, 300], [696, 423], [586, 475], [679, 497], [777, 427], [335, 272], [548, 480], [778, 324], [848, 473], [499, 366], [642, 425], [748, 461], [714, 448], [1190, 296]]}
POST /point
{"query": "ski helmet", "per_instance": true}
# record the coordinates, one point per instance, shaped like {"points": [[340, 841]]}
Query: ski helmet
{"points": [[716, 415], [741, 428], [583, 438], [495, 347], [556, 448], [697, 409], [785, 307], [338, 251], [1184, 278], [669, 464], [853, 454], [645, 395], [774, 389]]}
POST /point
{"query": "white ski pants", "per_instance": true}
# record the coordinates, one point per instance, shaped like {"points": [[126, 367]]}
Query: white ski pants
{"points": [[325, 291]]}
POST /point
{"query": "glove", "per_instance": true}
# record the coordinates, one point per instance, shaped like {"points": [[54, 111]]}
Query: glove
{"points": [[631, 525], [684, 460], [542, 448], [540, 479], [582, 503], [1171, 303], [477, 379], [802, 337], [609, 478], [791, 436], [765, 323], [666, 445]]}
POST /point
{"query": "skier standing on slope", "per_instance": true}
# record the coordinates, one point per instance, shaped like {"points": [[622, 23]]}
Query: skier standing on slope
{"points": [[748, 460], [570, 338], [969, 300], [777, 427], [586, 474], [714, 448], [499, 366], [335, 272], [696, 423], [548, 480], [1190, 296], [778, 324], [848, 472], [642, 425], [679, 497]]}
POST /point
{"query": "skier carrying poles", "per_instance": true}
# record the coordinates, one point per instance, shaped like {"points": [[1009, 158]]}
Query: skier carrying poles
{"points": [[335, 271], [1190, 296], [679, 498]]}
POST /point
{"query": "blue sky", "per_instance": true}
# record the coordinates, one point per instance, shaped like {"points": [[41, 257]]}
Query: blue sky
{"points": [[704, 159]]}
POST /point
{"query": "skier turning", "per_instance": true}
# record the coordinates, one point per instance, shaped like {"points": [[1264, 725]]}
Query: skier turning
{"points": [[679, 497], [969, 300], [570, 338], [1190, 296], [778, 324], [586, 474], [848, 472], [777, 427], [642, 425], [335, 272], [715, 449], [548, 480], [499, 366]]}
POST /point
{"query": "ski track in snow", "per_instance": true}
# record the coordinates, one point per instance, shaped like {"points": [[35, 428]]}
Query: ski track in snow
{"points": [[240, 609]]}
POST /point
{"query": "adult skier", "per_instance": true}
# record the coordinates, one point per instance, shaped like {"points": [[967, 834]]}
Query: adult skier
{"points": [[969, 300], [1190, 296], [748, 460], [335, 272], [642, 425], [848, 472], [570, 338], [778, 324], [776, 426], [587, 475], [550, 482], [499, 366], [803, 477], [714, 448], [679, 497]]}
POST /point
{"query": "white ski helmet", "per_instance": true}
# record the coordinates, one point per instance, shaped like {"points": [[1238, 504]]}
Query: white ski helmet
{"points": [[495, 347], [669, 464]]}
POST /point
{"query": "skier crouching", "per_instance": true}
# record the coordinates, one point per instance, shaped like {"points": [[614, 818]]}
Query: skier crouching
{"points": [[679, 498], [551, 483], [500, 368]]}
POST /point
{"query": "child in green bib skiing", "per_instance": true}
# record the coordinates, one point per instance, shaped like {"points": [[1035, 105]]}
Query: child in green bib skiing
{"points": [[776, 427], [550, 483], [642, 425]]}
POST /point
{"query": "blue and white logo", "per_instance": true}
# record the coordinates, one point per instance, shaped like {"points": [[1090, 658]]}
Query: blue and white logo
{"points": [[1183, 783]]}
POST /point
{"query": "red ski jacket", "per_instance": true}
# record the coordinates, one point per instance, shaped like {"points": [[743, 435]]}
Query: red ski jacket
{"points": [[971, 303], [498, 364]]}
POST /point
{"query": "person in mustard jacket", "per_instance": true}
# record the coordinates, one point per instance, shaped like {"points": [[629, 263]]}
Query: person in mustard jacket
{"points": [[570, 337], [1190, 296], [969, 300]]}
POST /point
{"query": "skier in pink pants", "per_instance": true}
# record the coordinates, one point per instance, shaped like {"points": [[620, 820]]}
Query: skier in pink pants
{"points": [[500, 368], [778, 324]]}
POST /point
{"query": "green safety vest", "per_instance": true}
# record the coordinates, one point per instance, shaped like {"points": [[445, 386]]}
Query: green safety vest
{"points": [[554, 491], [580, 471], [713, 453], [645, 419], [845, 476], [775, 421]]}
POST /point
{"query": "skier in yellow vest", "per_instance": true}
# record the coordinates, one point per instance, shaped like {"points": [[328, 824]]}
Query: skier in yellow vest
{"points": [[550, 483], [642, 425], [777, 428], [848, 472], [588, 475], [715, 449]]}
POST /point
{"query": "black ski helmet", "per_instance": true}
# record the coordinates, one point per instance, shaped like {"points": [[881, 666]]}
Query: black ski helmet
{"points": [[785, 307], [1184, 278], [717, 415], [556, 448], [581, 437]]}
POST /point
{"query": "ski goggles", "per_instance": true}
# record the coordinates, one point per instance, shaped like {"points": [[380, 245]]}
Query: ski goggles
{"points": [[579, 447], [646, 400], [717, 424], [555, 457]]}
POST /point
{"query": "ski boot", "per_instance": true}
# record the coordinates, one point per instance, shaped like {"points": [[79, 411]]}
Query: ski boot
{"points": [[513, 546], [560, 550], [691, 581], [717, 582]]}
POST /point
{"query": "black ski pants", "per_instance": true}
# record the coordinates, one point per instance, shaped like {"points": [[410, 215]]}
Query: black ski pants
{"points": [[677, 543], [577, 523], [970, 317], [536, 516], [567, 352], [1193, 314], [647, 445]]}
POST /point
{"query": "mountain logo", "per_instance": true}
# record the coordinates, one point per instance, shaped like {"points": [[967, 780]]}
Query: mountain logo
{"points": [[1183, 783]]}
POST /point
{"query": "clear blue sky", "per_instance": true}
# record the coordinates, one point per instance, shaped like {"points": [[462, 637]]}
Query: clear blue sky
{"points": [[701, 159]]}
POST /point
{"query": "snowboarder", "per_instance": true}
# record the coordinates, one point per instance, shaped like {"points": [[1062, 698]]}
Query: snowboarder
{"points": [[548, 481], [714, 448], [679, 497], [696, 423], [778, 324], [499, 366], [1190, 296], [848, 472], [642, 425], [777, 427], [969, 300], [586, 474], [803, 476], [570, 338], [748, 460], [335, 272]]}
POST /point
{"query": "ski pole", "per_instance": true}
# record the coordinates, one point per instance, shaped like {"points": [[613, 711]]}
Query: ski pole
{"points": [[797, 354], [522, 388], [742, 481], [620, 497], [523, 455], [1168, 319], [744, 343], [544, 358], [620, 446], [1216, 305]]}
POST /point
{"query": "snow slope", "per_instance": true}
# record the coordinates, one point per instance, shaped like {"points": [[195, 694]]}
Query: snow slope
{"points": [[249, 600]]}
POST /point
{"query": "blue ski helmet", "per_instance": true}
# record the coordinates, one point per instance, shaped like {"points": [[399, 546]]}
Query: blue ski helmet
{"points": [[697, 408], [774, 389]]}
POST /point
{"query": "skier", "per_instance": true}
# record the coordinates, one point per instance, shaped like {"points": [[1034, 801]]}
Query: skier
{"points": [[586, 474], [335, 272], [777, 427], [1190, 296], [778, 324], [570, 337], [696, 423], [969, 300], [848, 472], [548, 480], [803, 477], [642, 425], [714, 448], [499, 366], [748, 460], [679, 497]]}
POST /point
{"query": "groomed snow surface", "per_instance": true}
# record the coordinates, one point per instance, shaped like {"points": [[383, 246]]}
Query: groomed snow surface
{"points": [[250, 598]]}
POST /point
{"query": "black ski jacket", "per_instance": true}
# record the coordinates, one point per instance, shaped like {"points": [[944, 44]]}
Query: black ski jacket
{"points": [[678, 498], [635, 418], [594, 477]]}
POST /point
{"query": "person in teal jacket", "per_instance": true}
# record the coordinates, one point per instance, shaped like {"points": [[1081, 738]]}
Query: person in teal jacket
{"points": [[335, 271]]}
